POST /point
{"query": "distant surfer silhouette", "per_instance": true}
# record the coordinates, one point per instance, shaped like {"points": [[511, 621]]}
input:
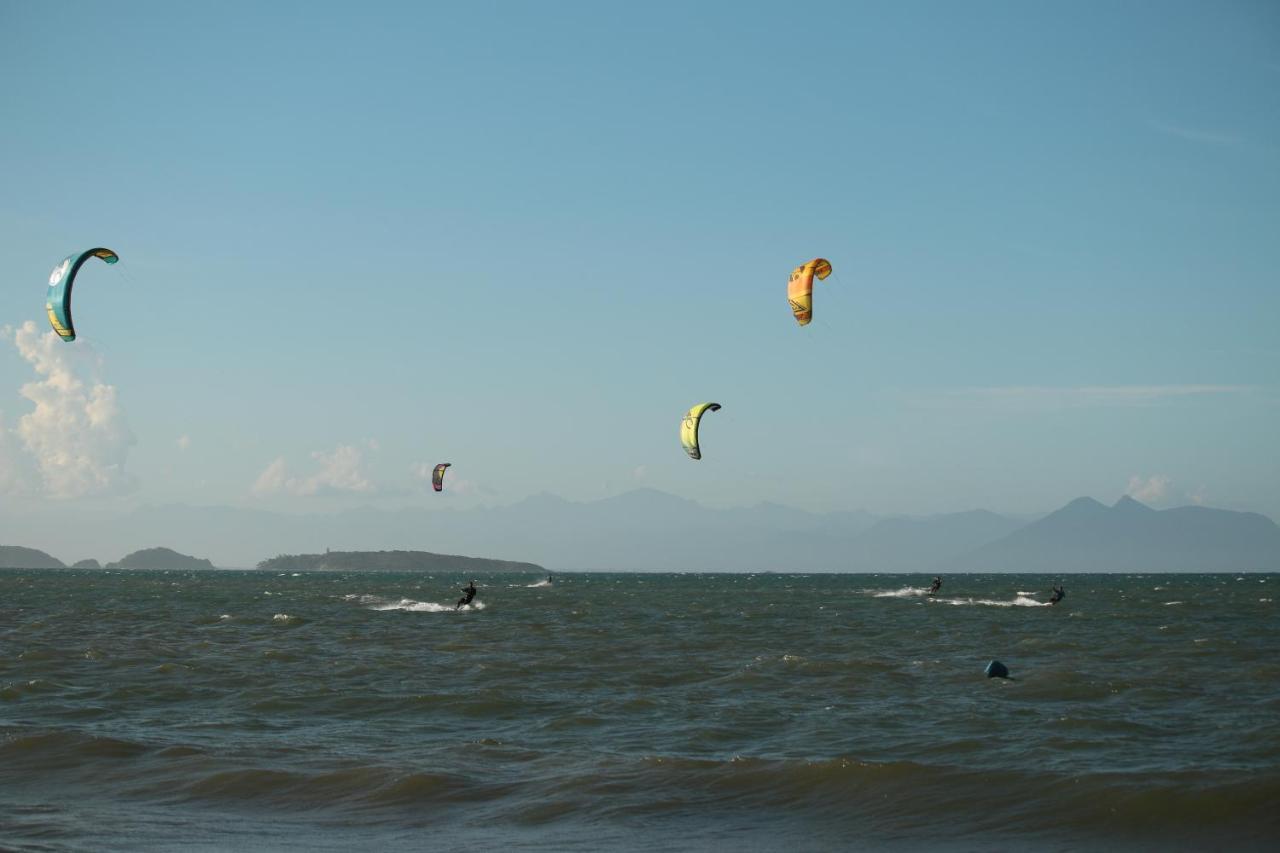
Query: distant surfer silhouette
{"points": [[468, 593], [935, 586], [1058, 594]]}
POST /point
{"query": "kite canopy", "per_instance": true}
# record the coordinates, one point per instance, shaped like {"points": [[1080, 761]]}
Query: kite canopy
{"points": [[63, 277], [689, 428], [437, 476], [800, 288]]}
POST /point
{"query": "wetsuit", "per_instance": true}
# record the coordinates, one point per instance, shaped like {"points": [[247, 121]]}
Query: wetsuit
{"points": [[935, 586], [469, 593], [1058, 595]]}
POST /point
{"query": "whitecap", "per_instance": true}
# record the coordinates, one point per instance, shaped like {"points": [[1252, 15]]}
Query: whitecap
{"points": [[364, 598], [1020, 601], [408, 605], [1171, 603], [904, 592], [283, 617]]}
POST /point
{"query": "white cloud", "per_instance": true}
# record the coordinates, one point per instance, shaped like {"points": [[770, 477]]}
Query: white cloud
{"points": [[183, 442], [16, 469], [1151, 489], [341, 470], [75, 442], [272, 479]]}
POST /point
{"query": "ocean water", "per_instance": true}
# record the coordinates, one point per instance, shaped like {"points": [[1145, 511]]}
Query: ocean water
{"points": [[251, 710]]}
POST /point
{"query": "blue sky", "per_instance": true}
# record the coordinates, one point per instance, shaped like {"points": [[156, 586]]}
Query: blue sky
{"points": [[524, 238]]}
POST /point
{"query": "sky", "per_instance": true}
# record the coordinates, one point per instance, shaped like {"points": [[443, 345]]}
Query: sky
{"points": [[360, 239]]}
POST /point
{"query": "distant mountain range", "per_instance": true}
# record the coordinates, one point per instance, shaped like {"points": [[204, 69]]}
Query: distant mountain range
{"points": [[1087, 536], [651, 530]]}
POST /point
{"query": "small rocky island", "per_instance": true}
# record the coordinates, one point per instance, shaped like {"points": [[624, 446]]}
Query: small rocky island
{"points": [[392, 561], [159, 558], [17, 557]]}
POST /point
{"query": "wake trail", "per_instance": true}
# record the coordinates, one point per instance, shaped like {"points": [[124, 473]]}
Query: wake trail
{"points": [[408, 605]]}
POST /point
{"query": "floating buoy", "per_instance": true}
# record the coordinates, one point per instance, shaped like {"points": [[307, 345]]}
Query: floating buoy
{"points": [[995, 669]]}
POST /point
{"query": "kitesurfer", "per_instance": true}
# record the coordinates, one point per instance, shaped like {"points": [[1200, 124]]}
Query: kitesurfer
{"points": [[1058, 594], [935, 586], [468, 593]]}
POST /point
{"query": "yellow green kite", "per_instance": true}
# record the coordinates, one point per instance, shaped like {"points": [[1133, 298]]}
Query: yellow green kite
{"points": [[689, 428]]}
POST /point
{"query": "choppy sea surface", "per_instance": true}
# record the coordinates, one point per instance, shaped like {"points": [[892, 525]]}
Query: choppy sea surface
{"points": [[252, 710]]}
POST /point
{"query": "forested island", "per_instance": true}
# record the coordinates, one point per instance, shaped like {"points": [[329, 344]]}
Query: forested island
{"points": [[159, 558], [17, 557], [392, 561]]}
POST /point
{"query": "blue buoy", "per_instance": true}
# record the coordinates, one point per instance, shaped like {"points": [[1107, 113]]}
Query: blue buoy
{"points": [[995, 669]]}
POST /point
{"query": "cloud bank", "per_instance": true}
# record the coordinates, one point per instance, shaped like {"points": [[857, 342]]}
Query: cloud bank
{"points": [[75, 442], [341, 470], [1153, 489]]}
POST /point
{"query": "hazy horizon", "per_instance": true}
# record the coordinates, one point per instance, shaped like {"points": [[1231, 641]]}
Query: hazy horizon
{"points": [[645, 529]]}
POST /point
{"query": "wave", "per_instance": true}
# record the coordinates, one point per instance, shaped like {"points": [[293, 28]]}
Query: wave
{"points": [[1022, 599], [1018, 601], [898, 792], [904, 592], [409, 605], [899, 795], [836, 797], [537, 585]]}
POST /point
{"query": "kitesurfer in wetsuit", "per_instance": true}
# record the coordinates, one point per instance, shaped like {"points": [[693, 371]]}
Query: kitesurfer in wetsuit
{"points": [[1058, 594], [468, 592], [935, 586]]}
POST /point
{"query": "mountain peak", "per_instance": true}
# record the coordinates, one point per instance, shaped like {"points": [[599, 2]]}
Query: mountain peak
{"points": [[1082, 505], [1128, 504]]}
